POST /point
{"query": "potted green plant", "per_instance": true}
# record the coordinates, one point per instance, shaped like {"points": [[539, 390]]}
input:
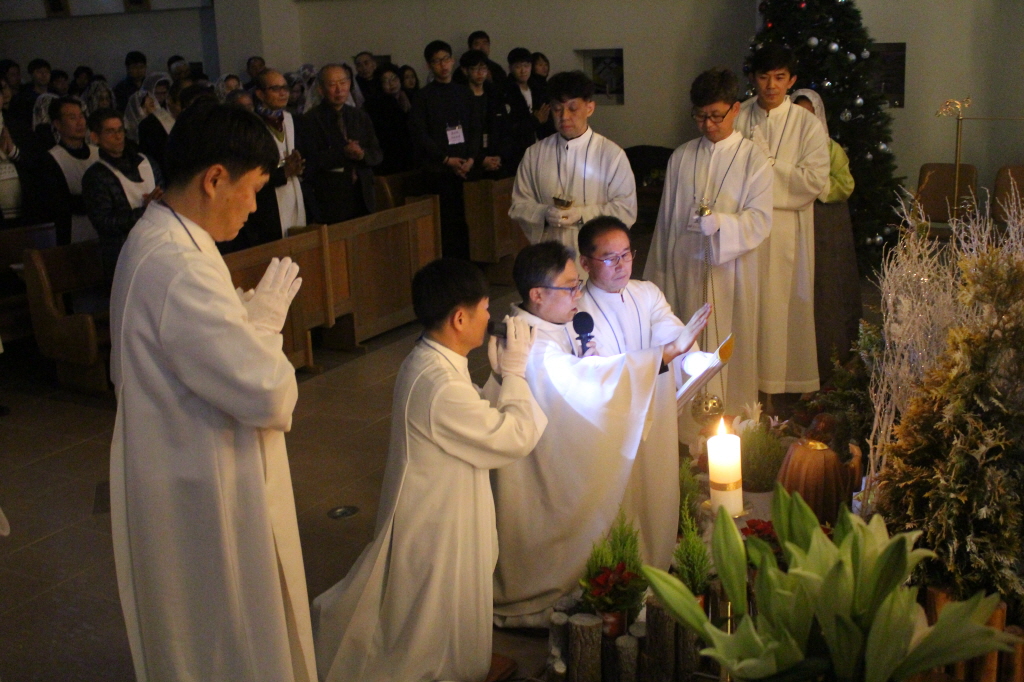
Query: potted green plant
{"points": [[613, 585], [691, 558], [841, 609]]}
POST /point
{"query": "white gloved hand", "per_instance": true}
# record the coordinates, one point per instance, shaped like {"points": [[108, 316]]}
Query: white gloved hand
{"points": [[571, 216], [245, 296], [494, 353], [518, 341], [268, 306], [553, 216], [709, 224]]}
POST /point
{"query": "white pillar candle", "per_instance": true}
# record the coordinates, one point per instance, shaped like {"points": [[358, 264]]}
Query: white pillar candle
{"points": [[724, 471]]}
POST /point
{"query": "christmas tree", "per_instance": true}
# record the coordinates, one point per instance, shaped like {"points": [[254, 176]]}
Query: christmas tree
{"points": [[836, 60]]}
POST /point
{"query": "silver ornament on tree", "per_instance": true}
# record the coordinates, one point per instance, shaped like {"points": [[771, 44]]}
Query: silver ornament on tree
{"points": [[826, 83], [706, 408], [812, 41], [865, 54], [845, 115], [833, 47], [851, 56], [883, 147], [869, 156], [859, 102]]}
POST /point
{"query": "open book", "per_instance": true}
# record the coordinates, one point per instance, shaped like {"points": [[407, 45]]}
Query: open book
{"points": [[709, 364]]}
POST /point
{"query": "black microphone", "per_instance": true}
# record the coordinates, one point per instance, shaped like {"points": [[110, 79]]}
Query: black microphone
{"points": [[583, 324], [498, 329]]}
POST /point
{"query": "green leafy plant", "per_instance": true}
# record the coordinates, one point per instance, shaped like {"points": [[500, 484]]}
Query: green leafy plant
{"points": [[693, 563], [848, 592], [761, 454], [612, 580], [690, 496]]}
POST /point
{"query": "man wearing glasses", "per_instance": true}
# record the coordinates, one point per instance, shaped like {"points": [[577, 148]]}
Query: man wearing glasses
{"points": [[716, 211], [446, 138], [631, 315], [553, 505]]}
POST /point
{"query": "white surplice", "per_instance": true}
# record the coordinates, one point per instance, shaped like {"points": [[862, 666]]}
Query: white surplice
{"points": [[206, 542], [639, 318], [290, 206], [787, 354], [553, 505], [735, 176], [417, 604], [591, 169]]}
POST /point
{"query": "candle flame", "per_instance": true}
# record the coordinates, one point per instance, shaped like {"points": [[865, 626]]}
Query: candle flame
{"points": [[721, 428]]}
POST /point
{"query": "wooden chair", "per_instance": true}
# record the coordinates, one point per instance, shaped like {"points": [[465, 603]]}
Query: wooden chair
{"points": [[15, 320], [1007, 178], [391, 191], [78, 342], [493, 235], [935, 187]]}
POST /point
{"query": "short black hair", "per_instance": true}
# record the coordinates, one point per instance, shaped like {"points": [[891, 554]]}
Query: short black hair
{"points": [[541, 55], [58, 104], [360, 54], [57, 74], [194, 93], [435, 46], [386, 68], [97, 118], [597, 227], [250, 60], [234, 96], [715, 85], [208, 133], [538, 265], [518, 55], [771, 57], [37, 63], [443, 285], [471, 58], [83, 70], [134, 57], [475, 36], [569, 85], [6, 65], [403, 69]]}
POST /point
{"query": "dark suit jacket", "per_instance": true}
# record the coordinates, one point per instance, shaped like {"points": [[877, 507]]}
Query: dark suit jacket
{"points": [[322, 144], [153, 139]]}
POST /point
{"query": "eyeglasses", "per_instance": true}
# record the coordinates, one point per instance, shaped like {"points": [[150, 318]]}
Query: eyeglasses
{"points": [[441, 60], [714, 118], [574, 289], [614, 260]]}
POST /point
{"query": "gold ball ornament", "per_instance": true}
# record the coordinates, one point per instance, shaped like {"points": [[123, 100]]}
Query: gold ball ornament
{"points": [[706, 408]]}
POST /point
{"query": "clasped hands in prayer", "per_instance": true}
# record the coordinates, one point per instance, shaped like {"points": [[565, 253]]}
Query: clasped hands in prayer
{"points": [[267, 304], [460, 167], [563, 217]]}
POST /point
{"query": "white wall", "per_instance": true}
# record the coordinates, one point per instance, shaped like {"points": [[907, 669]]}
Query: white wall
{"points": [[665, 44], [955, 49], [102, 41]]}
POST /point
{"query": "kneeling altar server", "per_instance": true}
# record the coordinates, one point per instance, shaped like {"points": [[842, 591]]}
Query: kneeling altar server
{"points": [[417, 604], [206, 542], [552, 506]]}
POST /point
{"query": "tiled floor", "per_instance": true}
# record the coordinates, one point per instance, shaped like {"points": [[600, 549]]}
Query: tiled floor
{"points": [[60, 617]]}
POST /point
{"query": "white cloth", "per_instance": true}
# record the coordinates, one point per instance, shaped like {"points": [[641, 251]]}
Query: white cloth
{"points": [[639, 318], [135, 192], [553, 505], [416, 606], [591, 169], [676, 259], [74, 169], [787, 355], [289, 195], [206, 541]]}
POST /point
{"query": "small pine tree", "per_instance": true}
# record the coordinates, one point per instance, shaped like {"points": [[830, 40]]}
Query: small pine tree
{"points": [[693, 563], [836, 60]]}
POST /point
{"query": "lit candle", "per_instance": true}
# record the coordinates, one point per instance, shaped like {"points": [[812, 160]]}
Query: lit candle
{"points": [[725, 472]]}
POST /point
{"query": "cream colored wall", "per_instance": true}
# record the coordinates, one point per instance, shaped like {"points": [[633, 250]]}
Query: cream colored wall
{"points": [[102, 41], [955, 49], [665, 44]]}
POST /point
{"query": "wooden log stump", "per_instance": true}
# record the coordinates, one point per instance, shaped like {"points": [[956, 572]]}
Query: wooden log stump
{"points": [[986, 668], [627, 649], [1011, 663], [661, 641], [584, 661], [688, 646], [558, 635], [556, 671], [638, 631]]}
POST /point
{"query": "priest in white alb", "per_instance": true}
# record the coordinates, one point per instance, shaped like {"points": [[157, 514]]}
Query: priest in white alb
{"points": [[632, 315], [553, 505], [569, 178], [716, 213], [797, 147], [417, 604]]}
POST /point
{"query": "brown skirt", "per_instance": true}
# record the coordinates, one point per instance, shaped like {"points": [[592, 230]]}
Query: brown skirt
{"points": [[837, 304]]}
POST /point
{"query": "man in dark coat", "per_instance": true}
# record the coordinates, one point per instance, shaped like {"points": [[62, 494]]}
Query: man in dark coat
{"points": [[340, 147]]}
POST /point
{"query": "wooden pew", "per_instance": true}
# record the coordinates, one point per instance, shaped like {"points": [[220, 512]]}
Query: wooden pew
{"points": [[313, 305], [15, 319], [492, 233], [391, 191], [372, 260], [78, 342]]}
